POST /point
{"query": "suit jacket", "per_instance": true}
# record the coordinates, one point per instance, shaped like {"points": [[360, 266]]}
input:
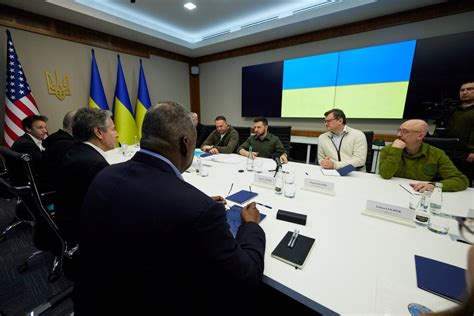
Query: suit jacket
{"points": [[56, 145], [202, 133], [78, 169], [24, 145], [144, 228]]}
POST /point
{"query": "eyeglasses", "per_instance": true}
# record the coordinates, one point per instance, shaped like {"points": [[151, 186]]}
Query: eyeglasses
{"points": [[466, 228], [405, 131], [327, 121]]}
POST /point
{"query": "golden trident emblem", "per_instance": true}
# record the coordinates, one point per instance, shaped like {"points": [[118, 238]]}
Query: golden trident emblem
{"points": [[56, 87]]}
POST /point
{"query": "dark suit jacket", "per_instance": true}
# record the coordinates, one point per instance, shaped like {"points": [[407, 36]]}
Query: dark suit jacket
{"points": [[24, 145], [144, 231], [202, 133], [78, 169], [56, 145]]}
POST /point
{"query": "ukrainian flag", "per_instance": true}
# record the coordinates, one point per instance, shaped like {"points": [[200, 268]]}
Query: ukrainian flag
{"points": [[143, 100], [368, 82], [123, 112], [96, 95]]}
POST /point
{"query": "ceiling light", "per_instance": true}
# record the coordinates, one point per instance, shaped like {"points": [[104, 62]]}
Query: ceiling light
{"points": [[190, 6]]}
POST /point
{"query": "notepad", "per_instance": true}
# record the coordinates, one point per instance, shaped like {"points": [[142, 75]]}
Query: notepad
{"points": [[234, 220], [440, 278], [295, 256], [242, 196], [339, 172]]}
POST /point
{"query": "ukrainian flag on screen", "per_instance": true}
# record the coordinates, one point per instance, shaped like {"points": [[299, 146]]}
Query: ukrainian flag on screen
{"points": [[369, 82]]}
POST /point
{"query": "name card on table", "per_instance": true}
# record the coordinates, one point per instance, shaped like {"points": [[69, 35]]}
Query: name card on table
{"points": [[319, 186], [393, 213], [264, 180]]}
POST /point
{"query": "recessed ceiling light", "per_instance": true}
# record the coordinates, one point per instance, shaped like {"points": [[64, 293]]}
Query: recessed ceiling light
{"points": [[190, 6]]}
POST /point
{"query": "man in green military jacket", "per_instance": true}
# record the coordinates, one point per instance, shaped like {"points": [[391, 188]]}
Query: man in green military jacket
{"points": [[409, 157], [263, 143], [223, 140]]}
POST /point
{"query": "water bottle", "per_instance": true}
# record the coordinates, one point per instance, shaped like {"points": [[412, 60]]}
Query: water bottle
{"points": [[279, 183], [198, 164], [436, 199], [250, 160], [422, 213]]}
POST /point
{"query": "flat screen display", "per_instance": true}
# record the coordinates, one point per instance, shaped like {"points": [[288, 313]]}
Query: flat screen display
{"points": [[390, 81]]}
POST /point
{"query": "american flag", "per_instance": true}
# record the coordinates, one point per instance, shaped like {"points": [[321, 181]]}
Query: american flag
{"points": [[19, 102]]}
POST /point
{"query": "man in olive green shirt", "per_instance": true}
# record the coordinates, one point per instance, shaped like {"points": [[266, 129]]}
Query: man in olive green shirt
{"points": [[409, 157], [224, 139], [263, 143]]}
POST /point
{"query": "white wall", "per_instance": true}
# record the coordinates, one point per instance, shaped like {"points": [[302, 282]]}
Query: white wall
{"points": [[221, 80], [167, 79]]}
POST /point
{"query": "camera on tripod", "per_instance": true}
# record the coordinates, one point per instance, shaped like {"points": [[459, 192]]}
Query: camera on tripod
{"points": [[440, 113]]}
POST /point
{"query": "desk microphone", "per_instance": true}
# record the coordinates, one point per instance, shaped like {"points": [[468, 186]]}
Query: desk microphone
{"points": [[276, 157]]}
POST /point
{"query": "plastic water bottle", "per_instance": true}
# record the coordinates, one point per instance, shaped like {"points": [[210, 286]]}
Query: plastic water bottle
{"points": [[250, 160], [436, 199], [279, 183], [198, 164], [422, 213]]}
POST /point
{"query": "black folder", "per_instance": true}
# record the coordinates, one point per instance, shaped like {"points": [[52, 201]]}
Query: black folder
{"points": [[296, 255], [440, 278]]}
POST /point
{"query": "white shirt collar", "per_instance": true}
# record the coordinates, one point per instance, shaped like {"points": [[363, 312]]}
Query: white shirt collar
{"points": [[99, 150], [37, 141]]}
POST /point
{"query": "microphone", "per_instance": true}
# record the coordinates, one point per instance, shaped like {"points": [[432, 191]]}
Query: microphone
{"points": [[276, 157]]}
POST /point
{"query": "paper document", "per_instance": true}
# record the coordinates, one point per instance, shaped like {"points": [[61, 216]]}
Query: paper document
{"points": [[330, 172], [230, 159]]}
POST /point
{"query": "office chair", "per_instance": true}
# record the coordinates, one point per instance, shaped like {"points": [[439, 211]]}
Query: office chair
{"points": [[46, 235], [244, 133], [449, 145], [369, 136], [284, 133], [21, 217]]}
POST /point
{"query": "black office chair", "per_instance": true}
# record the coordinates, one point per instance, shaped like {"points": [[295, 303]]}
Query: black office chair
{"points": [[21, 218], [284, 133], [244, 133], [449, 145], [369, 136], [46, 235]]}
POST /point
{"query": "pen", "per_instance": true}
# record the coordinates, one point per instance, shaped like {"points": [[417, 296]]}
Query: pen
{"points": [[230, 190], [405, 188], [294, 239], [307, 174], [291, 239], [267, 206]]}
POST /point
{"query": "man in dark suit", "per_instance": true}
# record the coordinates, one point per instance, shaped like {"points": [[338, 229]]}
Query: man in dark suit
{"points": [[143, 227], [95, 133], [57, 145], [29, 143], [202, 131]]}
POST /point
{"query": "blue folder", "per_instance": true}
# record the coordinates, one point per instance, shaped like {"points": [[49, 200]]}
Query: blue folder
{"points": [[346, 170], [440, 278], [242, 196], [234, 220]]}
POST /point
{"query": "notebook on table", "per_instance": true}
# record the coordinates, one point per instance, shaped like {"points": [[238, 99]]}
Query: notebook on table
{"points": [[296, 255], [242, 196], [234, 220], [440, 278]]}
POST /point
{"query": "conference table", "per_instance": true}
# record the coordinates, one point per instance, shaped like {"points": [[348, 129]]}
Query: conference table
{"points": [[359, 264]]}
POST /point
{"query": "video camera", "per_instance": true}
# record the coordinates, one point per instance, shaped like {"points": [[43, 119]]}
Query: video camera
{"points": [[440, 113]]}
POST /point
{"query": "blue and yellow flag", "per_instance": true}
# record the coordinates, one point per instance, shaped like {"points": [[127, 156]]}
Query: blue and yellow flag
{"points": [[143, 100], [123, 112], [96, 95]]}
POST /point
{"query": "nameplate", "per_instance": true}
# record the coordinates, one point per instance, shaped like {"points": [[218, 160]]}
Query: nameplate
{"points": [[264, 180], [319, 186], [393, 213]]}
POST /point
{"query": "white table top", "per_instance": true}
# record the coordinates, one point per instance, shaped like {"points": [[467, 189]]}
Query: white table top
{"points": [[359, 264]]}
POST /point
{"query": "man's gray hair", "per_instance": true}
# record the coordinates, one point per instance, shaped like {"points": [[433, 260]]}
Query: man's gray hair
{"points": [[165, 124], [86, 120]]}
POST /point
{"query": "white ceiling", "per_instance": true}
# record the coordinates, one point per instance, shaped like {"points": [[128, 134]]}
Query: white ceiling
{"points": [[215, 25]]}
